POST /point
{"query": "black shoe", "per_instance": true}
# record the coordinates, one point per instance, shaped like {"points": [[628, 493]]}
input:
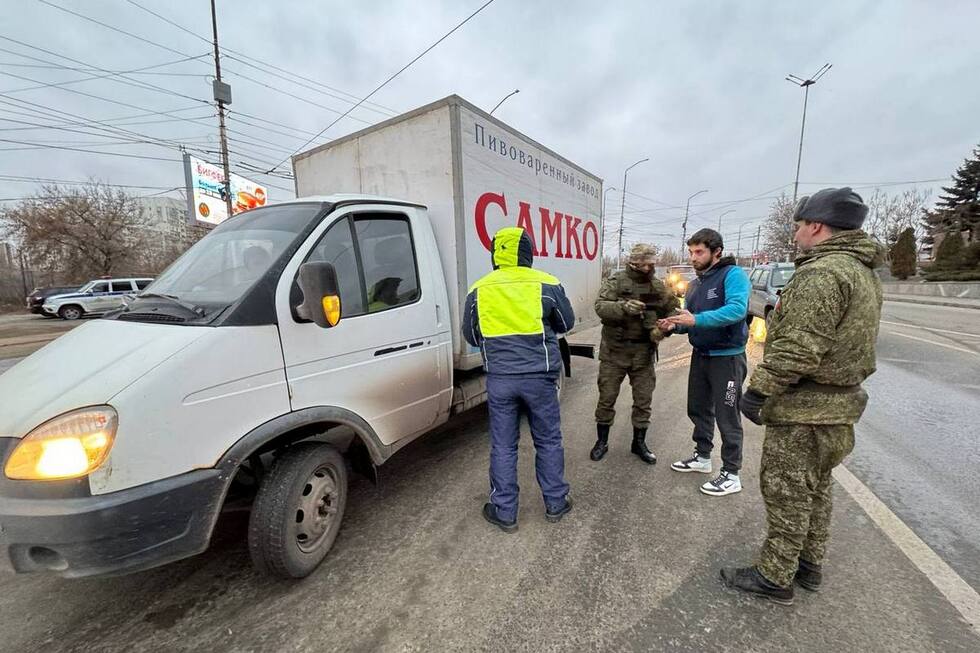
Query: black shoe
{"points": [[748, 579], [555, 516], [640, 447], [490, 514], [809, 576], [602, 442]]}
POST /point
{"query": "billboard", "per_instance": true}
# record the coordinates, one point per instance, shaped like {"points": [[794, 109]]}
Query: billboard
{"points": [[205, 192]]}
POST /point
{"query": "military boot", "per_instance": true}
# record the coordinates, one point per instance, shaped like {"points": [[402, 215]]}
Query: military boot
{"points": [[640, 446], [601, 443], [809, 576], [748, 579]]}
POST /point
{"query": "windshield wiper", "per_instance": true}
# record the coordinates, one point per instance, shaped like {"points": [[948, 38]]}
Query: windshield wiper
{"points": [[196, 310]]}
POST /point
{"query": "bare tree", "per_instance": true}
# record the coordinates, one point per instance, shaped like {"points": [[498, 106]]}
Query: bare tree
{"points": [[86, 231], [669, 256], [778, 230], [890, 215]]}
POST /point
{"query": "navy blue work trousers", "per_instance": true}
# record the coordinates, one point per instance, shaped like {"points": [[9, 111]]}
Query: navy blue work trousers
{"points": [[508, 397]]}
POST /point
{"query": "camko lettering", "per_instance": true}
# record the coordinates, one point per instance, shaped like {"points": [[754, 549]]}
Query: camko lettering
{"points": [[571, 237], [524, 222], [551, 230]]}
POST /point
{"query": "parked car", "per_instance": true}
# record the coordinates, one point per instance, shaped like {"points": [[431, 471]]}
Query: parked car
{"points": [[767, 282], [35, 301], [94, 298], [678, 278]]}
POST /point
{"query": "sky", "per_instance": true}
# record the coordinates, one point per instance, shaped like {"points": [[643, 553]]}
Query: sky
{"points": [[697, 87]]}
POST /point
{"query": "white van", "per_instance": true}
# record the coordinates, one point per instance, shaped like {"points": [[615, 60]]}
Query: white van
{"points": [[293, 343]]}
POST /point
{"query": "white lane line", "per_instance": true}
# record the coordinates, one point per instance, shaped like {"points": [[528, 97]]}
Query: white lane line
{"points": [[933, 329], [956, 590], [933, 342]]}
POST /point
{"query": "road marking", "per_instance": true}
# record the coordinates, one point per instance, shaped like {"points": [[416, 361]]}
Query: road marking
{"points": [[933, 342], [956, 590], [913, 326]]}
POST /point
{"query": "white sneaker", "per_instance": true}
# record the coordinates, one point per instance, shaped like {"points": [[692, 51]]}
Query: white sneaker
{"points": [[725, 483], [695, 463]]}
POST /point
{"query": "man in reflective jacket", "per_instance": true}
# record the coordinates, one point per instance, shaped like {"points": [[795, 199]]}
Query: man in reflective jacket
{"points": [[514, 315]]}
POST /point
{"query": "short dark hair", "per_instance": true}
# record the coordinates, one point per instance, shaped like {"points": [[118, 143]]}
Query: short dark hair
{"points": [[831, 228], [707, 237]]}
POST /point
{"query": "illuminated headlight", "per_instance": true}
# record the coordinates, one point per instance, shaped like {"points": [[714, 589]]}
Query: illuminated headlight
{"points": [[682, 285], [68, 446]]}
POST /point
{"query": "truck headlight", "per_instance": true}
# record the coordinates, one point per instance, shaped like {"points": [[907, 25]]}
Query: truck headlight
{"points": [[68, 446]]}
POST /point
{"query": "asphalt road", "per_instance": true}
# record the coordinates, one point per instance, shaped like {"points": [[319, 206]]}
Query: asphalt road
{"points": [[415, 567], [917, 445]]}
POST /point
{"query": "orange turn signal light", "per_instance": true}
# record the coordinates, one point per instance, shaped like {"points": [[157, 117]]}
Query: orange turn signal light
{"points": [[331, 309]]}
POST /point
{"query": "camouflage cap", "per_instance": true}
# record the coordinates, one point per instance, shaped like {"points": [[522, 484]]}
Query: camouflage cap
{"points": [[641, 252]]}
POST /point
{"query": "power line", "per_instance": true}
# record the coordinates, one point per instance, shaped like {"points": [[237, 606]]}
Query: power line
{"points": [[109, 74], [94, 70], [384, 83], [77, 149], [266, 64]]}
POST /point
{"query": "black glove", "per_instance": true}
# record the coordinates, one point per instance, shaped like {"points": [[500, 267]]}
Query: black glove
{"points": [[751, 405]]}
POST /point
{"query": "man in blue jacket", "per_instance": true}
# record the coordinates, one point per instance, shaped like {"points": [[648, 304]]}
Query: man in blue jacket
{"points": [[716, 304], [514, 315]]}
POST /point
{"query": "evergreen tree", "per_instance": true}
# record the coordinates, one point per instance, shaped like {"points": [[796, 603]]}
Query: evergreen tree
{"points": [[950, 254], [903, 258], [958, 207]]}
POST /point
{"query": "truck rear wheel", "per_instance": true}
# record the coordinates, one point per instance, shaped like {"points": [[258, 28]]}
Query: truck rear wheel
{"points": [[298, 510]]}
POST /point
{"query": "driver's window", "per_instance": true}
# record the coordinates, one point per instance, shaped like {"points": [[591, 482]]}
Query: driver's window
{"points": [[337, 248], [100, 287]]}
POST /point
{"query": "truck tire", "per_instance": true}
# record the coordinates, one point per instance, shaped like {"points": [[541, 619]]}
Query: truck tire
{"points": [[298, 510], [70, 312], [768, 317]]}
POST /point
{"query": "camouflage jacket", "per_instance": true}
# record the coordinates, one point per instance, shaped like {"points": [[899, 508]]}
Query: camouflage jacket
{"points": [[821, 341], [618, 327]]}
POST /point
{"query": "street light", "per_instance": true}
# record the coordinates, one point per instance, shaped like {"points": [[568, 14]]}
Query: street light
{"points": [[686, 211], [622, 210], [805, 84], [602, 218], [722, 216], [514, 92]]}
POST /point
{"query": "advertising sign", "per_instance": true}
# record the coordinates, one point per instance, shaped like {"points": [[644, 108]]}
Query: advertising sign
{"points": [[205, 192]]}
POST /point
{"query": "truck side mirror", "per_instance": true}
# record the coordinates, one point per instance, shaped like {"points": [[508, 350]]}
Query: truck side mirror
{"points": [[321, 297]]}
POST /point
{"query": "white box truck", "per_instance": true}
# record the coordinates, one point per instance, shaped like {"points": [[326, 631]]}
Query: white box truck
{"points": [[291, 344]]}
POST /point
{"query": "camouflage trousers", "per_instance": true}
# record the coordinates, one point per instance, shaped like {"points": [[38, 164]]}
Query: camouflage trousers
{"points": [[797, 460], [636, 362]]}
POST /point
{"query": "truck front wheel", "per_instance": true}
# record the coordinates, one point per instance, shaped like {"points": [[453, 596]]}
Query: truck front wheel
{"points": [[298, 510]]}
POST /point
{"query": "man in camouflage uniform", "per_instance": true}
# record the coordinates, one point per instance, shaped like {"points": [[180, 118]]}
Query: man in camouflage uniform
{"points": [[629, 304], [807, 390]]}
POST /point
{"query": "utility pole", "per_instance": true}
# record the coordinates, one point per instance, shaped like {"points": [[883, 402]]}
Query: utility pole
{"points": [[687, 210], [805, 84], [222, 96], [758, 235], [622, 210]]}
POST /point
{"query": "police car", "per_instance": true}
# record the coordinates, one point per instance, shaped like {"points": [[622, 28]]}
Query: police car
{"points": [[94, 298]]}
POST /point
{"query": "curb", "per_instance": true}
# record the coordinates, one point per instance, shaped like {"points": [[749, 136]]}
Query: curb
{"points": [[929, 302]]}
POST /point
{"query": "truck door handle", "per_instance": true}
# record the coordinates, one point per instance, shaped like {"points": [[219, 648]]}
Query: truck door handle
{"points": [[390, 350]]}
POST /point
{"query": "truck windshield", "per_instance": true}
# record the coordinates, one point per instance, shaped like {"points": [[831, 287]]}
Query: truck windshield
{"points": [[781, 276], [222, 266]]}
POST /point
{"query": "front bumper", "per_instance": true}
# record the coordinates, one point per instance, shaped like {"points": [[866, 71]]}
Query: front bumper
{"points": [[45, 528], [49, 309]]}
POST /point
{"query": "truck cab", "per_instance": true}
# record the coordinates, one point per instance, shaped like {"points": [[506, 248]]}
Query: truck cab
{"points": [[227, 368]]}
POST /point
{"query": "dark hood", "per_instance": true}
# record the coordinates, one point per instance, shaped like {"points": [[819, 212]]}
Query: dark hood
{"points": [[855, 243], [512, 247]]}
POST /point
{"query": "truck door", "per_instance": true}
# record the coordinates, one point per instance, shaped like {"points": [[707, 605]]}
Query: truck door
{"points": [[382, 360]]}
